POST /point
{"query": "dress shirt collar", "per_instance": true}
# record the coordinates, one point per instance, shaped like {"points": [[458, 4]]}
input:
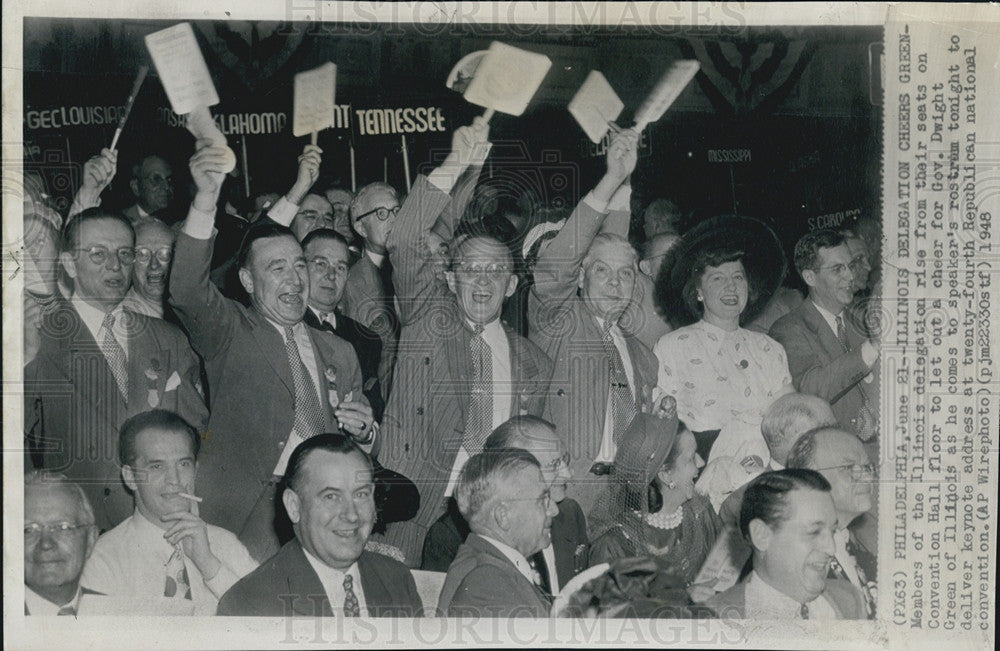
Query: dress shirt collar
{"points": [[39, 605], [296, 329], [93, 318], [330, 317], [828, 316], [514, 556], [332, 581], [141, 212], [765, 602], [150, 535], [376, 258], [492, 331]]}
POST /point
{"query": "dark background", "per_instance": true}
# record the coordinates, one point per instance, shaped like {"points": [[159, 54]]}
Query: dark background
{"points": [[799, 99]]}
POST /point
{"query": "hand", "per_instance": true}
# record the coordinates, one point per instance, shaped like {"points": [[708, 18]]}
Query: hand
{"points": [[471, 145], [209, 166], [356, 418], [622, 154], [98, 171], [191, 532], [309, 163]]}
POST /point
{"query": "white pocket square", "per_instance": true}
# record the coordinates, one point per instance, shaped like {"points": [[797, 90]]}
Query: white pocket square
{"points": [[173, 382]]}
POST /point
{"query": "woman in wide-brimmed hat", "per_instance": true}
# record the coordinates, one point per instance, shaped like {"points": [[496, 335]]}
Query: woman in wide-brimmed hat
{"points": [[650, 505], [722, 375]]}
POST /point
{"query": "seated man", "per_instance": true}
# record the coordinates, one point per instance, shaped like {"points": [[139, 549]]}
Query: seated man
{"points": [[841, 458], [165, 549], [567, 552], [509, 508], [789, 518], [59, 536], [325, 569]]}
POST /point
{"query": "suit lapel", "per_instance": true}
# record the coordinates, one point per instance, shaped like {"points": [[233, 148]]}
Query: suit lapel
{"points": [[815, 322], [149, 366], [377, 594], [304, 583], [523, 370], [272, 348], [325, 360], [91, 376], [460, 363]]}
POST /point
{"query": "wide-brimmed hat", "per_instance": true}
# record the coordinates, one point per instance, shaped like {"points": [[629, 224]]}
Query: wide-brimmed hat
{"points": [[645, 446], [763, 258]]}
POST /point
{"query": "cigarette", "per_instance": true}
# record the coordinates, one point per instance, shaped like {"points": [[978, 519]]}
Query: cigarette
{"points": [[193, 498]]}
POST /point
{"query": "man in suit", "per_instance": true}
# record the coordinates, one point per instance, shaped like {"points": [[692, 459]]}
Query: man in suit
{"points": [[165, 549], [152, 185], [509, 508], [154, 250], [274, 380], [579, 314], [567, 553], [98, 364], [827, 356], [460, 372], [59, 536], [325, 570], [841, 458], [789, 518]]}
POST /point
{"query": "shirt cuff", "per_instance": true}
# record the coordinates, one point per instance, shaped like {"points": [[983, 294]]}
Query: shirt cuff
{"points": [[443, 179], [224, 579], [621, 199], [283, 212], [596, 205], [199, 224]]}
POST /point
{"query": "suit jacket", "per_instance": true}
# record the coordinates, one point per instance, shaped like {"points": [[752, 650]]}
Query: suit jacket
{"points": [[845, 598], [569, 541], [426, 414], [482, 582], [563, 327], [287, 585], [367, 346], [819, 365], [367, 301], [71, 389], [252, 389]]}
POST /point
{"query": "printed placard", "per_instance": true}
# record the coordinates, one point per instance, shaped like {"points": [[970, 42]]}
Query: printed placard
{"points": [[507, 79], [595, 105], [315, 106], [181, 68]]}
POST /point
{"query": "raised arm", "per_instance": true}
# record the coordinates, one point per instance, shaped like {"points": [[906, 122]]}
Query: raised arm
{"points": [[413, 278], [284, 209], [98, 173], [207, 315]]}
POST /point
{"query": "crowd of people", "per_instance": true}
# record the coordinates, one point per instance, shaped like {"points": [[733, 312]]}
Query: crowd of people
{"points": [[324, 405]]}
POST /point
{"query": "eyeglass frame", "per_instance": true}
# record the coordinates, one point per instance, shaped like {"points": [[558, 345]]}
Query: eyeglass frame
{"points": [[870, 469], [104, 251], [57, 530], [157, 252], [382, 216], [158, 180], [341, 268]]}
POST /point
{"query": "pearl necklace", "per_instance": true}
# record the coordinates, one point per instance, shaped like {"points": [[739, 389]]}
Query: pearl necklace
{"points": [[666, 521]]}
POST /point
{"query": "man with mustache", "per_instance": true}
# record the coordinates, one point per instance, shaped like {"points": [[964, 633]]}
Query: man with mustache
{"points": [[274, 380], [827, 356]]}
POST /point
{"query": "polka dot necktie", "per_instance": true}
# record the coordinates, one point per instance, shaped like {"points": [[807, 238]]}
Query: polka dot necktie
{"points": [[115, 355], [622, 402], [351, 606], [480, 419]]}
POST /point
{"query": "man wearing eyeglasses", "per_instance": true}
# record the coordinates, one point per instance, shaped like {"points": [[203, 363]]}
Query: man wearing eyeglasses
{"points": [[827, 355], [509, 508], [568, 551], [99, 364], [59, 536], [841, 458], [152, 185], [460, 371], [154, 250]]}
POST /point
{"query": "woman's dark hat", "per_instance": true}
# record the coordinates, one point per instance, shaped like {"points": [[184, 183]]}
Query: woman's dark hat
{"points": [[645, 445], [763, 259]]}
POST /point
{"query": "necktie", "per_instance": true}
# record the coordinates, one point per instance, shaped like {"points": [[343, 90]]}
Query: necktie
{"points": [[351, 606], [804, 611], [622, 401], [845, 566], [866, 426], [479, 423], [309, 419], [67, 610], [115, 355], [177, 585], [541, 570]]}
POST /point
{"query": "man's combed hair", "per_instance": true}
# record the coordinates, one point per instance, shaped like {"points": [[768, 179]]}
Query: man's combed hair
{"points": [[608, 239], [161, 419], [359, 204], [260, 231], [766, 497], [45, 479], [323, 234], [483, 474], [331, 442], [807, 248], [803, 453], [71, 231], [513, 433]]}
